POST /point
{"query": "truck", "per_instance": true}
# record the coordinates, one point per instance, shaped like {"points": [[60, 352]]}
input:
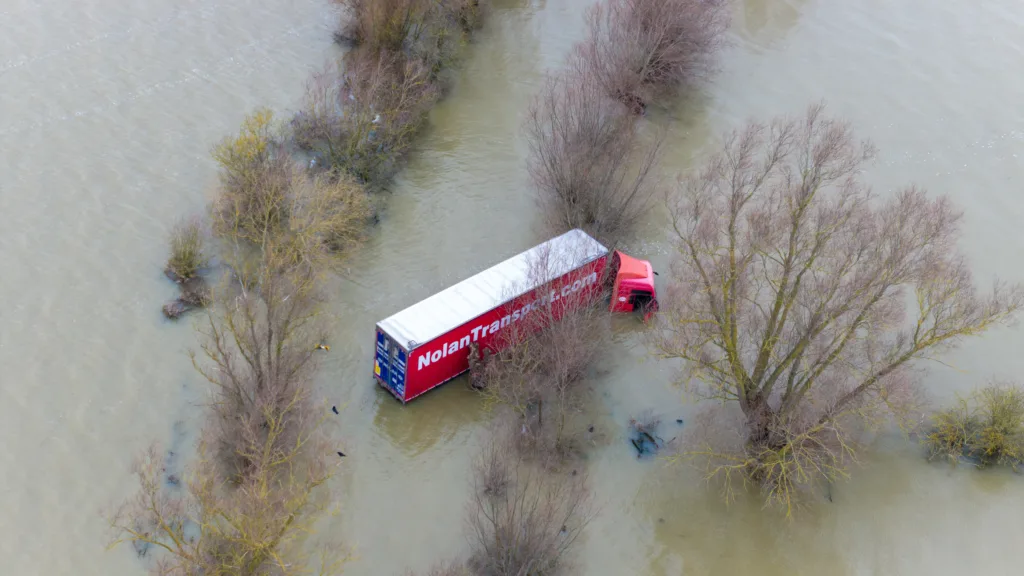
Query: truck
{"points": [[430, 342]]}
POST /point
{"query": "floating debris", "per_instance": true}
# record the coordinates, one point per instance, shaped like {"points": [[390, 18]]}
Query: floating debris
{"points": [[644, 437]]}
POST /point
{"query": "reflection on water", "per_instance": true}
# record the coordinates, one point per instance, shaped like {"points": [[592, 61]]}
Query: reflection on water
{"points": [[107, 114], [762, 24], [439, 415]]}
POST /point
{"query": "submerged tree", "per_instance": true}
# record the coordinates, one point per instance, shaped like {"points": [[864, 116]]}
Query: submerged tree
{"points": [[363, 120], [215, 525], [589, 162], [251, 500], [521, 520], [986, 427], [790, 293], [641, 51], [539, 371]]}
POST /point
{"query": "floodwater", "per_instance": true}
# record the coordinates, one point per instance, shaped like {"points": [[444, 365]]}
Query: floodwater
{"points": [[107, 113]]}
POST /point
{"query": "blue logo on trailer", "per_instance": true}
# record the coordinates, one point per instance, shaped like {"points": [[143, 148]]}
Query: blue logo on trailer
{"points": [[389, 364]]}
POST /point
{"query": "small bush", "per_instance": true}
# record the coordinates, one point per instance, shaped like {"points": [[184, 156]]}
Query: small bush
{"points": [[1001, 440], [363, 122], [952, 431], [332, 210], [428, 30], [383, 25], [987, 427], [188, 256], [640, 50], [587, 160], [539, 371], [256, 175], [528, 525]]}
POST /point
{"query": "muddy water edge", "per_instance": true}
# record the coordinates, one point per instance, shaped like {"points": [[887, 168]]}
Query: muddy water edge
{"points": [[107, 114]]}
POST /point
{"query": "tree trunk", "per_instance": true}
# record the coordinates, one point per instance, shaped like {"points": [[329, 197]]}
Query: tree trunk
{"points": [[759, 416]]}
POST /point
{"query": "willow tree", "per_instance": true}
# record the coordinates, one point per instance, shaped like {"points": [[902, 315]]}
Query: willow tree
{"points": [[807, 301]]}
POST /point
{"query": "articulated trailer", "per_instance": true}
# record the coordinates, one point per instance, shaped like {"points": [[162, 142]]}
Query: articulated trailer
{"points": [[429, 343]]}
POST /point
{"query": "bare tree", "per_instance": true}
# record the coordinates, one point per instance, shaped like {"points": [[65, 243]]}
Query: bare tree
{"points": [[263, 197], [790, 292], [590, 165], [522, 521], [214, 525], [383, 25], [427, 30], [260, 350], [543, 360], [642, 50], [362, 121], [318, 122], [256, 176]]}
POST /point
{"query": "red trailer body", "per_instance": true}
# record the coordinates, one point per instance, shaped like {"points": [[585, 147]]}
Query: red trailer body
{"points": [[429, 343]]}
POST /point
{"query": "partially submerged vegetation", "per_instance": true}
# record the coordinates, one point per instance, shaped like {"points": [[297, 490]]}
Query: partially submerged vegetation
{"points": [[643, 52], [590, 163], [363, 121], [188, 254], [250, 501], [523, 520], [539, 374], [265, 198], [360, 116], [357, 121], [184, 267], [986, 428], [428, 31], [788, 302]]}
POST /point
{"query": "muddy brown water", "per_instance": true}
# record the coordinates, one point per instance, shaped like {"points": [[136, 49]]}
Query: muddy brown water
{"points": [[108, 111]]}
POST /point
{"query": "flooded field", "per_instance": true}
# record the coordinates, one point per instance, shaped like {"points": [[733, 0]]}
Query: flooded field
{"points": [[108, 111]]}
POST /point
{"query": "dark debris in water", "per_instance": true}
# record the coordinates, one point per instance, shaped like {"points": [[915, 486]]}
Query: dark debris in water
{"points": [[644, 434]]}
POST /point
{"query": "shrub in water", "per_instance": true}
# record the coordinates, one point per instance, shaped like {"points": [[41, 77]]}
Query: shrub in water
{"points": [[987, 427], [187, 254]]}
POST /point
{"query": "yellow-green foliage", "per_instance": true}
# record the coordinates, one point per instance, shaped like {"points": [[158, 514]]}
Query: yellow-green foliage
{"points": [[952, 432], [187, 254], [1001, 439], [988, 426], [255, 180], [265, 198], [328, 214], [237, 154]]}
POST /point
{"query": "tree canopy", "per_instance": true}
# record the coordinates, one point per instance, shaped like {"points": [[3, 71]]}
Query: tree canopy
{"points": [[806, 299]]}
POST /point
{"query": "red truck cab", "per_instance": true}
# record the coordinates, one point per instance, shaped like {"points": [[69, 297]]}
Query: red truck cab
{"points": [[634, 285]]}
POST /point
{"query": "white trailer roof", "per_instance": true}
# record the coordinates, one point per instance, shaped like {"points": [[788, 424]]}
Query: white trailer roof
{"points": [[458, 304]]}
